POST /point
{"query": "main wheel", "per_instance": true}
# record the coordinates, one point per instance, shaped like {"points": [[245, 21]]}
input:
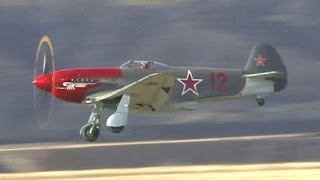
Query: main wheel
{"points": [[116, 129], [260, 101], [90, 132]]}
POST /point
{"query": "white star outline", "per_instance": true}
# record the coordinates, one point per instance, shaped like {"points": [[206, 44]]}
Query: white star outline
{"points": [[194, 85]]}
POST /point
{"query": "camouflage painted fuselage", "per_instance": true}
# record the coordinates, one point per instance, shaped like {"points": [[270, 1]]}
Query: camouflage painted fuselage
{"points": [[189, 85]]}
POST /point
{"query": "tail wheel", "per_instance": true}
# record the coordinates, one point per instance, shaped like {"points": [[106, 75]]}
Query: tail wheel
{"points": [[44, 64], [90, 132], [260, 101]]}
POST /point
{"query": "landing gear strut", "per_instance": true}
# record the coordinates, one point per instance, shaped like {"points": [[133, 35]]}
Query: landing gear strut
{"points": [[260, 101], [116, 122], [90, 132]]}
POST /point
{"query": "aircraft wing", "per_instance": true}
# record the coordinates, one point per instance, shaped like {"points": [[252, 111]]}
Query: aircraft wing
{"points": [[151, 91], [265, 75]]}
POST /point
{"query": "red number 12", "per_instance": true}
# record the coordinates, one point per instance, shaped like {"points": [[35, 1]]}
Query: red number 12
{"points": [[222, 80]]}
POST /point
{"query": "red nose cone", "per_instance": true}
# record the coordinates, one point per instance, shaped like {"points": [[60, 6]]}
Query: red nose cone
{"points": [[43, 82]]}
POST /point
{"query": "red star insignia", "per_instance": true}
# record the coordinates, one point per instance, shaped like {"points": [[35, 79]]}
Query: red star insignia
{"points": [[189, 84], [260, 60]]}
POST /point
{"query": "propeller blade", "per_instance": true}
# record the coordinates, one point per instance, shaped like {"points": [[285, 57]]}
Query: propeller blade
{"points": [[44, 64]]}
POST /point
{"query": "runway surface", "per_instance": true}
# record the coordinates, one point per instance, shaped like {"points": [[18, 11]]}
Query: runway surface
{"points": [[229, 150], [232, 135], [270, 171]]}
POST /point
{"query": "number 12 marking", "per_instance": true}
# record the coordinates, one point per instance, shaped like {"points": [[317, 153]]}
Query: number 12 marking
{"points": [[218, 81]]}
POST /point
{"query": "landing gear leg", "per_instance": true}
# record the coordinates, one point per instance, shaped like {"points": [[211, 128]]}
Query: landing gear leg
{"points": [[118, 120], [260, 101], [90, 132]]}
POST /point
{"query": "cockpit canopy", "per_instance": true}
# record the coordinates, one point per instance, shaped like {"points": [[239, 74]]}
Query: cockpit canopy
{"points": [[137, 64]]}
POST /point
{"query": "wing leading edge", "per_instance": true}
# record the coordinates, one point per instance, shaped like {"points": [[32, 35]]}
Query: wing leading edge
{"points": [[150, 92]]}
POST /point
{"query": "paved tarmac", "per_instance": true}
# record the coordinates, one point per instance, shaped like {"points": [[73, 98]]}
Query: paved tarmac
{"points": [[186, 152], [268, 171]]}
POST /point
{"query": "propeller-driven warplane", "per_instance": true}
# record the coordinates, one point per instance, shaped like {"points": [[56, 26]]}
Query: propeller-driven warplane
{"points": [[150, 86]]}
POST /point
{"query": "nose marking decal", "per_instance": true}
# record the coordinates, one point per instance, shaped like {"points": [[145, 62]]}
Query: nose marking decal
{"points": [[72, 85]]}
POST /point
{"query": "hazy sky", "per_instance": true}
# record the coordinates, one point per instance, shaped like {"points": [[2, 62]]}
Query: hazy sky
{"points": [[181, 33]]}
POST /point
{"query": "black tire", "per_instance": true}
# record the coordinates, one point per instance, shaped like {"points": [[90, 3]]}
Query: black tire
{"points": [[260, 101], [116, 129], [90, 136]]}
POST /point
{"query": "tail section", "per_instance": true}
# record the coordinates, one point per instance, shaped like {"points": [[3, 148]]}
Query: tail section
{"points": [[265, 61], [264, 58]]}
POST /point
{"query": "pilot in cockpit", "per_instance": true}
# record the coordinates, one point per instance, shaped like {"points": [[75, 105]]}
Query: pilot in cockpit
{"points": [[145, 65], [131, 64]]}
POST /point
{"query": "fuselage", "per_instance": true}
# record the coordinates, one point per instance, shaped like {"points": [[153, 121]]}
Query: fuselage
{"points": [[191, 84]]}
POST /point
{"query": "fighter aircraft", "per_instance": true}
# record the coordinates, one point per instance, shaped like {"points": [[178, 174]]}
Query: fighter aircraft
{"points": [[150, 86]]}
